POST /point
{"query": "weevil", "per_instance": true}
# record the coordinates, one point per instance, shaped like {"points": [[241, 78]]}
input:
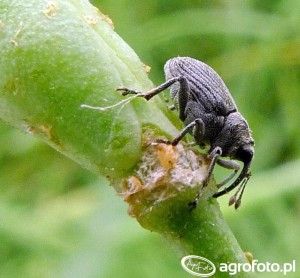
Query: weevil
{"points": [[210, 114]]}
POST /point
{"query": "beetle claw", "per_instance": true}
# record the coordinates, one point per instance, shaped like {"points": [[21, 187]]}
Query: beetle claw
{"points": [[125, 91]]}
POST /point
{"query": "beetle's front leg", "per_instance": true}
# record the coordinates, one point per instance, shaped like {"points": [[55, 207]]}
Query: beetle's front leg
{"points": [[153, 92]]}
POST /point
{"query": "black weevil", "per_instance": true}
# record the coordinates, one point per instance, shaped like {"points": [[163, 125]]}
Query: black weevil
{"points": [[210, 114]]}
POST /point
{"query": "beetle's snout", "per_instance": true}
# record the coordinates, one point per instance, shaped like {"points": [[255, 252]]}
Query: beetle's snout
{"points": [[245, 154]]}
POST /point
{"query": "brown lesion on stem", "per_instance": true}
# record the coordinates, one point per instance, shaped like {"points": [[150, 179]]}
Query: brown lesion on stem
{"points": [[51, 9], [165, 171], [46, 131]]}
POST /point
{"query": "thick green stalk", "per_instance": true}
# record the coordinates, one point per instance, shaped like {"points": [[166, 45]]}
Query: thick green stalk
{"points": [[56, 56]]}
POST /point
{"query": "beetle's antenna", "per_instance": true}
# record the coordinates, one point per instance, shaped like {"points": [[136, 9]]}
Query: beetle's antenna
{"points": [[244, 174], [237, 197], [121, 103], [233, 198]]}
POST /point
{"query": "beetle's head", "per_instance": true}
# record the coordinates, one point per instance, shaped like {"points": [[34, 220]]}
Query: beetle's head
{"points": [[238, 143], [245, 152]]}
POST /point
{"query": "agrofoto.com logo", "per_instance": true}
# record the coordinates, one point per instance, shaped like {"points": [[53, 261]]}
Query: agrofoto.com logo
{"points": [[202, 267]]}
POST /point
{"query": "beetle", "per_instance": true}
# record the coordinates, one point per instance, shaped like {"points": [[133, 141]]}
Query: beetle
{"points": [[210, 114]]}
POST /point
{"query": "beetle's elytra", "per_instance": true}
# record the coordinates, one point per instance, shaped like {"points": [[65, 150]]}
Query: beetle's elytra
{"points": [[210, 114]]}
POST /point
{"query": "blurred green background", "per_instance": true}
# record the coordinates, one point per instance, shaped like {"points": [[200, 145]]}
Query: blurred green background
{"points": [[58, 220]]}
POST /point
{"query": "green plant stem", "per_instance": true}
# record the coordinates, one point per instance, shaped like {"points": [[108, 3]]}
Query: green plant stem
{"points": [[202, 232]]}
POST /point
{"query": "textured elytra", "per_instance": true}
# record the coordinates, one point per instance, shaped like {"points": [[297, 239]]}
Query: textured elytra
{"points": [[215, 96]]}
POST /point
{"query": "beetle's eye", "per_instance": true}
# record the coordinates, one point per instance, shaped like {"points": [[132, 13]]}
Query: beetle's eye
{"points": [[245, 154]]}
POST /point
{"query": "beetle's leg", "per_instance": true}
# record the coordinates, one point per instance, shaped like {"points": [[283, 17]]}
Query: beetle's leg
{"points": [[214, 155], [183, 96], [198, 127], [153, 92], [228, 164]]}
